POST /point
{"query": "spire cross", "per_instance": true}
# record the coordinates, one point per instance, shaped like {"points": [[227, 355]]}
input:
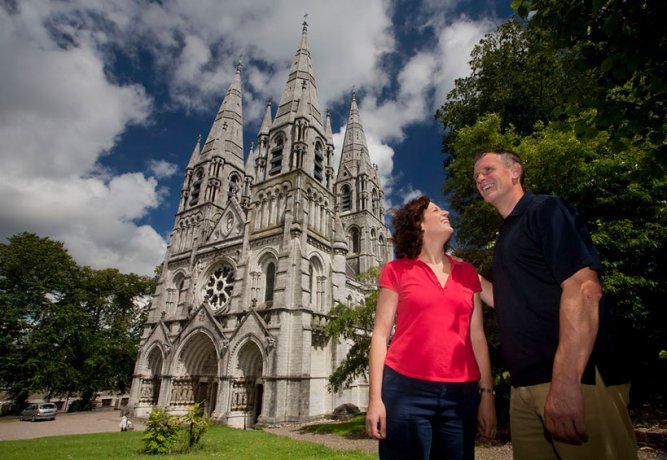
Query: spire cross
{"points": [[305, 23], [239, 64]]}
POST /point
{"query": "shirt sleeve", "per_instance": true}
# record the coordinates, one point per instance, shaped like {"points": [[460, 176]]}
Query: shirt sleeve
{"points": [[566, 244], [388, 278], [472, 278]]}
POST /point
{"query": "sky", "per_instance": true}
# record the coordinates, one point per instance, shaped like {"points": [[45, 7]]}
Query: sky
{"points": [[101, 102]]}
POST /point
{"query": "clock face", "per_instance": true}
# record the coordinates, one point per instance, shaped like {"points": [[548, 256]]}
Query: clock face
{"points": [[218, 288]]}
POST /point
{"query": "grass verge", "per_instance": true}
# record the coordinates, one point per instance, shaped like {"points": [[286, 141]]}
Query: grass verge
{"points": [[355, 427], [220, 442]]}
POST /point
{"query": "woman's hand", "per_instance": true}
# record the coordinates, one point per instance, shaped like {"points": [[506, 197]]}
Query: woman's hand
{"points": [[486, 416], [376, 420]]}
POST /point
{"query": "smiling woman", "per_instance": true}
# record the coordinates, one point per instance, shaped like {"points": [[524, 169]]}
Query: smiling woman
{"points": [[431, 302]]}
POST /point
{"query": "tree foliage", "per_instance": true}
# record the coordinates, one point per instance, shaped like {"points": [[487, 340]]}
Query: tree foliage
{"points": [[65, 328], [354, 324], [597, 142]]}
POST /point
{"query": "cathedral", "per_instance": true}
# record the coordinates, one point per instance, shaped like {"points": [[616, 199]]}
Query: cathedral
{"points": [[264, 244]]}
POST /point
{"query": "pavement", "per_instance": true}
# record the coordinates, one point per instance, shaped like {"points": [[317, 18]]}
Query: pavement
{"points": [[100, 421]]}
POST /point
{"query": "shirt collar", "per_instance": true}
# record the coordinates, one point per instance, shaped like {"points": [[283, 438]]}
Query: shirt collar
{"points": [[522, 204]]}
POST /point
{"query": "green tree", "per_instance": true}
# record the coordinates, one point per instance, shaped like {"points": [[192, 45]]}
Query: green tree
{"points": [[35, 274], [624, 202], [354, 324], [514, 73], [65, 329], [618, 48]]}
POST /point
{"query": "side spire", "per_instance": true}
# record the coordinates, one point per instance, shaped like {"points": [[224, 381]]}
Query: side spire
{"points": [[195, 153], [354, 155], [225, 138]]}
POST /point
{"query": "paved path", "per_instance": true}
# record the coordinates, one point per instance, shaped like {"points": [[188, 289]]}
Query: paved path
{"points": [[74, 423]]}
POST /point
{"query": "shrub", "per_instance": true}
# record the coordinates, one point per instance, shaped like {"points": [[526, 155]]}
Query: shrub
{"points": [[161, 433], [166, 434], [195, 424]]}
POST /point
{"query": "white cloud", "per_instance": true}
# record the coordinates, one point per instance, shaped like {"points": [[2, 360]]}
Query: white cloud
{"points": [[59, 113], [62, 109], [162, 169]]}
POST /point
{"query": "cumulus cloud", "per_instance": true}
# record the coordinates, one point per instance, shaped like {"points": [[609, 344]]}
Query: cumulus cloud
{"points": [[59, 113], [62, 108], [162, 169]]}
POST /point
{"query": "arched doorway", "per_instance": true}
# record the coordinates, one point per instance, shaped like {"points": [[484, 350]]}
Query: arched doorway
{"points": [[150, 383], [248, 385], [198, 382]]}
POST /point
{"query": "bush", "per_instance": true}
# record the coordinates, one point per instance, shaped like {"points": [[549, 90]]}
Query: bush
{"points": [[161, 433], [195, 424], [166, 434]]}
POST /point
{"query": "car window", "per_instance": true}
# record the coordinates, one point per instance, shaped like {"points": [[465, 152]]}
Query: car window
{"points": [[48, 406], [31, 406]]}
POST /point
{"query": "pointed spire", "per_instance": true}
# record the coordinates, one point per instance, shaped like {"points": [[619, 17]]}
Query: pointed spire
{"points": [[327, 128], [301, 70], [355, 148], [250, 162], [226, 136], [195, 153], [266, 123]]}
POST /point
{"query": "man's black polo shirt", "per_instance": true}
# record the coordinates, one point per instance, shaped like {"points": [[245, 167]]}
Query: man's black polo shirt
{"points": [[540, 244]]}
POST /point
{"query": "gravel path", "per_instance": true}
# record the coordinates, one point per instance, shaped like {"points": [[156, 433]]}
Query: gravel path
{"points": [[495, 451], [74, 423]]}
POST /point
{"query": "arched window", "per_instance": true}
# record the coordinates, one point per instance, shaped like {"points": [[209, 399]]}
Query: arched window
{"points": [[355, 239], [270, 275], [276, 157], [373, 241], [380, 253], [234, 181], [346, 198], [319, 162], [375, 201], [196, 187], [316, 284]]}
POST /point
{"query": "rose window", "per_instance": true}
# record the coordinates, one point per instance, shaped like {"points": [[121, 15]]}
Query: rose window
{"points": [[219, 286]]}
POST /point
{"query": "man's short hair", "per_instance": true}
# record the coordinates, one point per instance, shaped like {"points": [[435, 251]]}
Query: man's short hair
{"points": [[507, 157]]}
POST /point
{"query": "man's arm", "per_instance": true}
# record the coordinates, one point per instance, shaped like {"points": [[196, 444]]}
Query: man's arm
{"points": [[579, 320]]}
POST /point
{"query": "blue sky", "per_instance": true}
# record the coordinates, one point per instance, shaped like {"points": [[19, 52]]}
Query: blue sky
{"points": [[101, 101]]}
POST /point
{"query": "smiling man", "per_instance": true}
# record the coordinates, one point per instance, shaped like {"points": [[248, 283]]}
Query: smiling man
{"points": [[569, 394]]}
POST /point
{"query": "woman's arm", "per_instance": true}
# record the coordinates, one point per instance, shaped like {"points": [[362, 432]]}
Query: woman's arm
{"points": [[385, 312], [487, 409]]}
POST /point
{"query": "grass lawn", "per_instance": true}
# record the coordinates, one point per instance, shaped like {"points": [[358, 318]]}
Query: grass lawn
{"points": [[356, 426], [221, 442]]}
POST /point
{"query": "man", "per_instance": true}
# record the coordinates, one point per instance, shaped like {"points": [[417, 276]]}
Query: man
{"points": [[569, 396]]}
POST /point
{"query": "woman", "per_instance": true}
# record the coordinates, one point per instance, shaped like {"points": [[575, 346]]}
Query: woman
{"points": [[428, 389]]}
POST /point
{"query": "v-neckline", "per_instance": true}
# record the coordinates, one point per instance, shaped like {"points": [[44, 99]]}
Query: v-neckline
{"points": [[437, 280]]}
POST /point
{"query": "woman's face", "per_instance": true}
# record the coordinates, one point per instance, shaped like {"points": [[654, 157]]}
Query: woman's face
{"points": [[435, 223]]}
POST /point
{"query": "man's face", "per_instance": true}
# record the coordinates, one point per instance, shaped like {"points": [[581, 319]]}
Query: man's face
{"points": [[494, 180]]}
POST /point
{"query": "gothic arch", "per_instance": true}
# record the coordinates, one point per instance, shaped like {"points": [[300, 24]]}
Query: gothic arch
{"points": [[247, 384], [277, 153], [263, 280], [354, 239], [195, 189], [195, 372], [345, 198], [152, 371], [317, 283]]}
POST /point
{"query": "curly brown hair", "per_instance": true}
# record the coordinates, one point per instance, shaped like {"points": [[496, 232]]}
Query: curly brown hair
{"points": [[408, 234]]}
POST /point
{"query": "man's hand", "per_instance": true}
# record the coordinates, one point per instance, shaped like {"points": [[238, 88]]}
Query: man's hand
{"points": [[564, 413]]}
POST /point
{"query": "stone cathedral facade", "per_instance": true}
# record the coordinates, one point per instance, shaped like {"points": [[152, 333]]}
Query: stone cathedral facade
{"points": [[264, 245]]}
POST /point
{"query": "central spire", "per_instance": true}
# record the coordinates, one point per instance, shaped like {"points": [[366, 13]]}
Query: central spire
{"points": [[300, 72]]}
